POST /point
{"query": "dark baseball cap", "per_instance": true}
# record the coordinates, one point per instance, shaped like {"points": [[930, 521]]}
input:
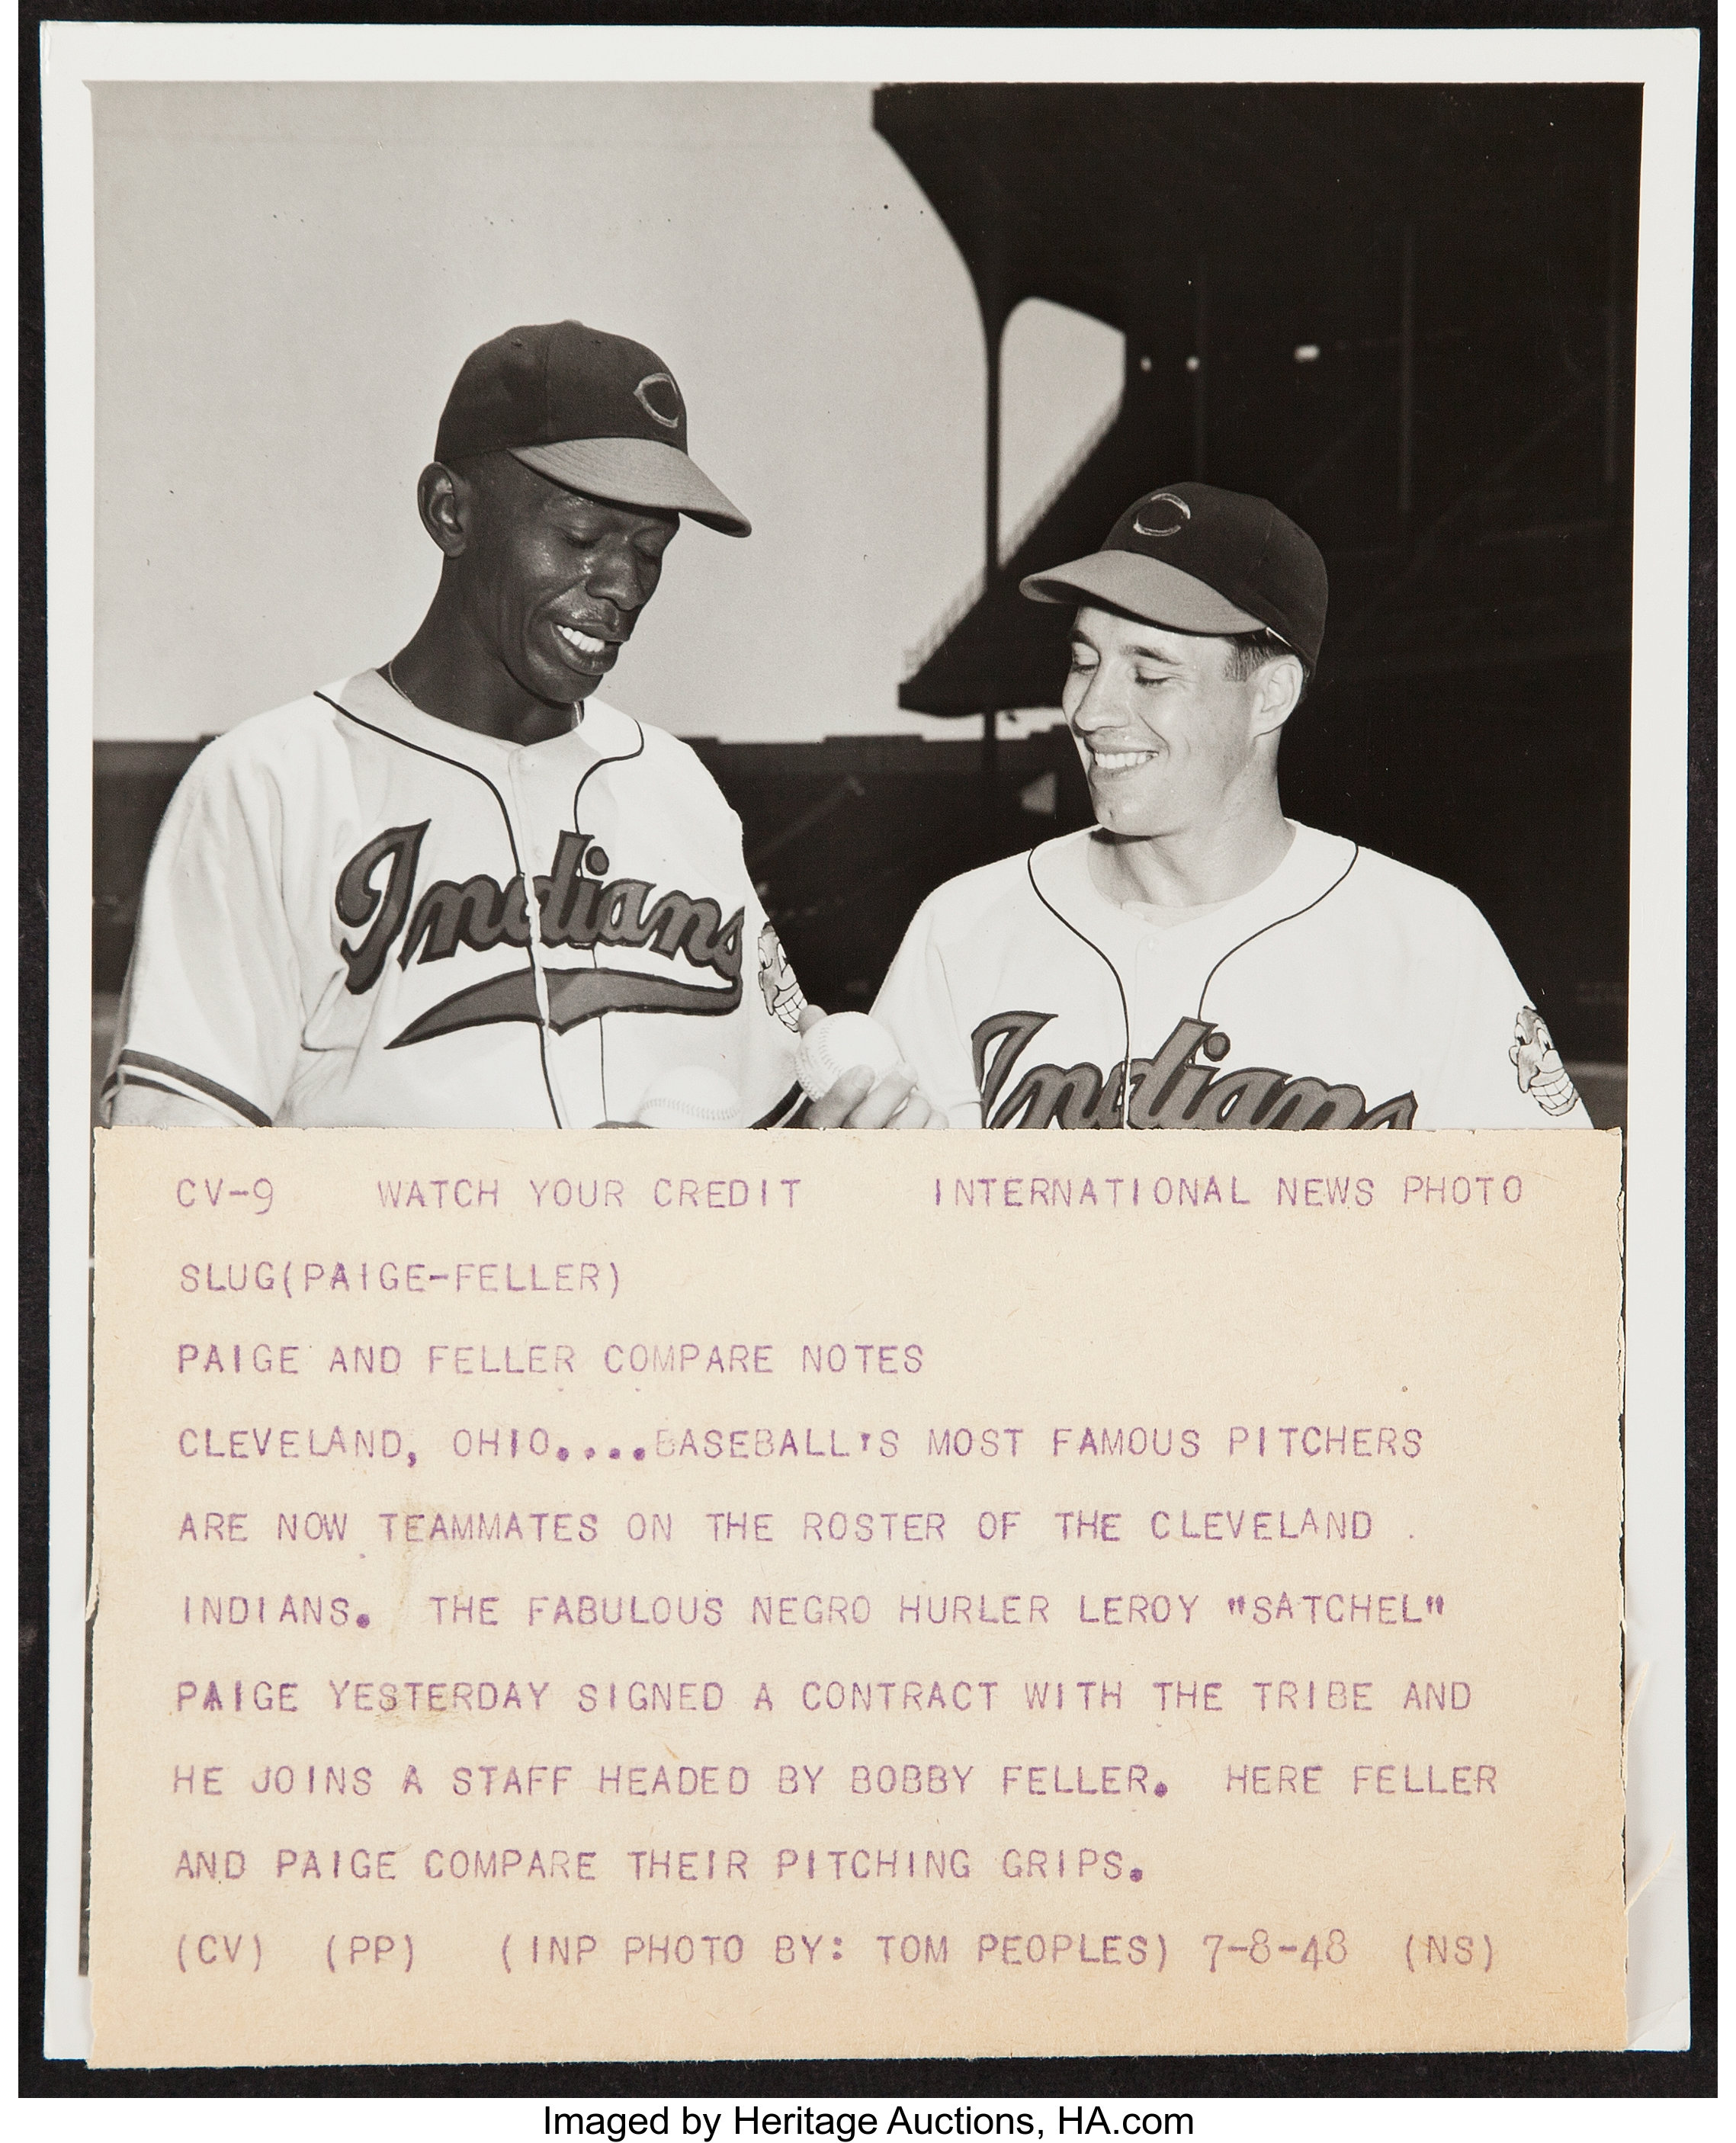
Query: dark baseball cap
{"points": [[595, 412], [1201, 560]]}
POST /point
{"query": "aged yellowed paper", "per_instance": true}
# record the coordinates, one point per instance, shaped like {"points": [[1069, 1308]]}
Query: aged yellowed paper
{"points": [[574, 1595]]}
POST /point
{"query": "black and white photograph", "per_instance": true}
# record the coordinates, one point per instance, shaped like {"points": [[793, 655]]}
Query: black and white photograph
{"points": [[1140, 587], [1270, 767]]}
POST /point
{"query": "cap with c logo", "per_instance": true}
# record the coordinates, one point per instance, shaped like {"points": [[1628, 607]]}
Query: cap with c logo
{"points": [[595, 412], [1201, 560]]}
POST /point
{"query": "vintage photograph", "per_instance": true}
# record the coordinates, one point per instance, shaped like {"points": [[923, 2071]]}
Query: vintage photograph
{"points": [[965, 593], [1149, 645]]}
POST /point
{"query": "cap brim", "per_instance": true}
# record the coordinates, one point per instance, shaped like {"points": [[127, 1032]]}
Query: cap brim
{"points": [[1144, 588], [637, 473]]}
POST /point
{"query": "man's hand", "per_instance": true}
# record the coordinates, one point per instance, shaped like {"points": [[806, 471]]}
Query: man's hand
{"points": [[860, 1102]]}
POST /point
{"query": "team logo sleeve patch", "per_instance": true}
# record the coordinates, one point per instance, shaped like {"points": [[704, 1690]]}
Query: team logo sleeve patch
{"points": [[778, 985], [1535, 1058]]}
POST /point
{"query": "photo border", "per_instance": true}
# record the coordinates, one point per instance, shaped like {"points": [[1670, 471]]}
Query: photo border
{"points": [[1670, 1159]]}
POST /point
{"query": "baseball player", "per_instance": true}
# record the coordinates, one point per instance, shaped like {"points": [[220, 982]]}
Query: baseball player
{"points": [[460, 889], [1195, 959]]}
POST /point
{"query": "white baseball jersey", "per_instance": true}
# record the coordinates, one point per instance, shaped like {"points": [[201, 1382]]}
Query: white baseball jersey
{"points": [[335, 927], [1345, 990]]}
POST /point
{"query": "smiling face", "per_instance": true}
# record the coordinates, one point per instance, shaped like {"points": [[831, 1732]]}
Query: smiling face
{"points": [[551, 582], [1170, 741]]}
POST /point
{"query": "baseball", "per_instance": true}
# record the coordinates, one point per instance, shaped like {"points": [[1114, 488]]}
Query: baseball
{"points": [[837, 1044], [690, 1098]]}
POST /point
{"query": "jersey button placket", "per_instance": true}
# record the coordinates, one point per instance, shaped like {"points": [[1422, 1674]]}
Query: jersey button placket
{"points": [[1147, 981], [529, 864]]}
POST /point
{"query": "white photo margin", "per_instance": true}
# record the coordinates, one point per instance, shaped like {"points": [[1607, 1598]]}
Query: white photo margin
{"points": [[1664, 62]]}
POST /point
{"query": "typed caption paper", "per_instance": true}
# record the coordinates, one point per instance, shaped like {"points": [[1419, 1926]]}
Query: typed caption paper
{"points": [[578, 1596]]}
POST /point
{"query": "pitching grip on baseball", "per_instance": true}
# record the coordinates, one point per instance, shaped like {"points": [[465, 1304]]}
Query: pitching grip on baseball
{"points": [[840, 1043]]}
